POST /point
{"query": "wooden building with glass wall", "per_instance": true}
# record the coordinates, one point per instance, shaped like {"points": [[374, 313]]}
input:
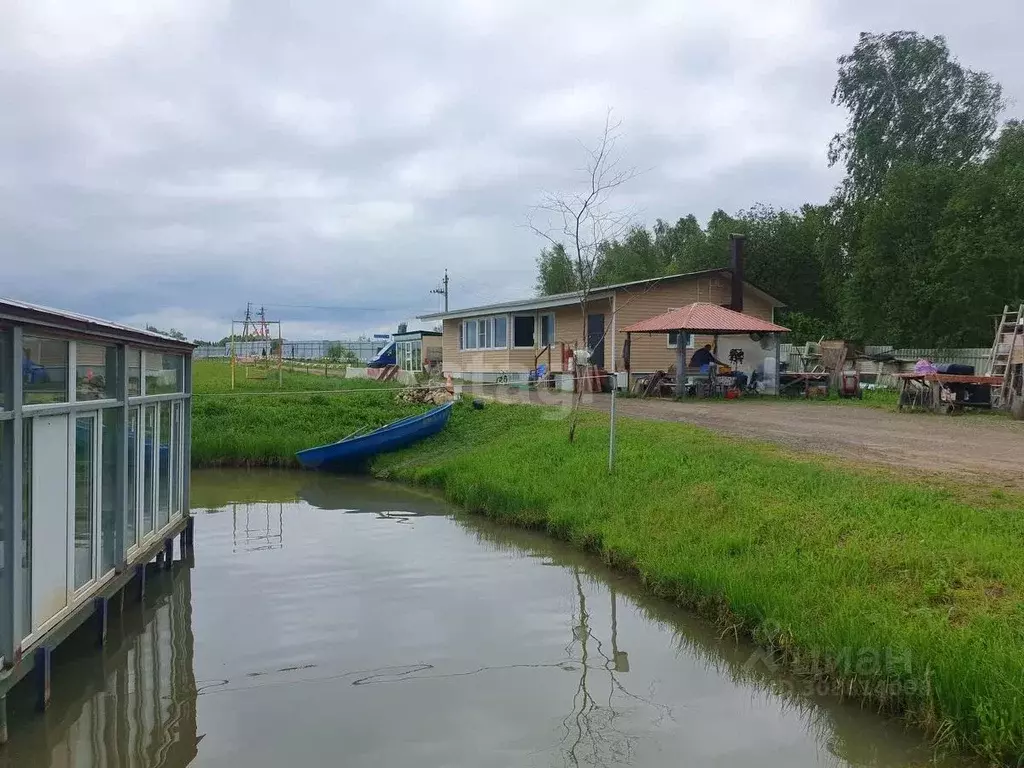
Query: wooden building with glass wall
{"points": [[94, 457]]}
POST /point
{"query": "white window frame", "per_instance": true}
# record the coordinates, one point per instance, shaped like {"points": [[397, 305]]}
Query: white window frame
{"points": [[533, 316], [494, 323], [483, 328], [540, 324]]}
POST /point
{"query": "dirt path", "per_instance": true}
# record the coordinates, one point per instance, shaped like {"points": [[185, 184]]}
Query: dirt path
{"points": [[974, 448]]}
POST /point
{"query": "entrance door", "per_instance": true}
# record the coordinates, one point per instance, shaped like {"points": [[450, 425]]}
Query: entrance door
{"points": [[595, 339], [49, 517]]}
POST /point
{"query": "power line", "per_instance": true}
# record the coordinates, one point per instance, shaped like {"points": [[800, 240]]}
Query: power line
{"points": [[337, 308]]}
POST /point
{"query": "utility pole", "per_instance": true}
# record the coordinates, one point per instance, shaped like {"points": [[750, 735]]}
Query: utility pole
{"points": [[248, 320], [442, 290]]}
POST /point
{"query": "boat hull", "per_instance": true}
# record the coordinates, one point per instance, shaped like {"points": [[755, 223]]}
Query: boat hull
{"points": [[355, 451]]}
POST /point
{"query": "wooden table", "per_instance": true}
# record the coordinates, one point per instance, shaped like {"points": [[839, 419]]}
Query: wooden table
{"points": [[942, 392]]}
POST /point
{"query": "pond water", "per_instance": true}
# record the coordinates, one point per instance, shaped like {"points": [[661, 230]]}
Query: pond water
{"points": [[328, 621]]}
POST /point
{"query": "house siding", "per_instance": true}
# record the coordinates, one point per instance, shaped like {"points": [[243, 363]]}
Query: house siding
{"points": [[650, 352]]}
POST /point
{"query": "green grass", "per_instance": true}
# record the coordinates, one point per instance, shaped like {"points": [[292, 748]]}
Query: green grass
{"points": [[902, 593], [254, 425]]}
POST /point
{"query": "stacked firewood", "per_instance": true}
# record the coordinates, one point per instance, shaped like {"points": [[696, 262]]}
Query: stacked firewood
{"points": [[428, 395]]}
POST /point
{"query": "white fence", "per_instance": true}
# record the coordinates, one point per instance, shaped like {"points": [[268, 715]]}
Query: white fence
{"points": [[363, 349]]}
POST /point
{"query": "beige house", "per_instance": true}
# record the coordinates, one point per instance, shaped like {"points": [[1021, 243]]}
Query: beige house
{"points": [[508, 340]]}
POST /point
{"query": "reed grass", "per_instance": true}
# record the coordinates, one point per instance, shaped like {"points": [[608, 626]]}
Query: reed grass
{"points": [[901, 594]]}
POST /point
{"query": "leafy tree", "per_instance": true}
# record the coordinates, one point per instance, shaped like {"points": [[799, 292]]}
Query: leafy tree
{"points": [[979, 263], [339, 353], [636, 257], [892, 293], [555, 271], [684, 244], [174, 333], [910, 102]]}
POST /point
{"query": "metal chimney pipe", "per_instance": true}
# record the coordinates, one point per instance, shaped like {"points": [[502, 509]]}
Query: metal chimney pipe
{"points": [[736, 265]]}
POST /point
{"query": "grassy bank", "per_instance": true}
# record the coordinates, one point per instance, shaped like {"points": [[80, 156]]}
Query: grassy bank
{"points": [[897, 593], [255, 425]]}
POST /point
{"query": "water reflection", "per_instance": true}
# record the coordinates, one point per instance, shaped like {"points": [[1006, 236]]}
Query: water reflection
{"points": [[257, 527], [132, 703], [842, 729], [378, 632], [591, 729]]}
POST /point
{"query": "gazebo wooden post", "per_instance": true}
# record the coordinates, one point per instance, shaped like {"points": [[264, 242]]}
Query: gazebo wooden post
{"points": [[680, 363]]}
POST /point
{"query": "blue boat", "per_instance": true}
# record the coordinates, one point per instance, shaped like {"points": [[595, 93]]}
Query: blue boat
{"points": [[354, 450]]}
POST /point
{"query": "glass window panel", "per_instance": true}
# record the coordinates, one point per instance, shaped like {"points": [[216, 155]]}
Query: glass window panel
{"points": [[26, 525], [164, 373], [163, 506], [110, 498], [6, 382], [523, 330], [481, 335], [489, 325], [6, 486], [547, 330], [134, 372], [132, 516], [471, 334], [177, 456], [500, 331], [149, 470], [44, 370], [85, 427], [97, 374]]}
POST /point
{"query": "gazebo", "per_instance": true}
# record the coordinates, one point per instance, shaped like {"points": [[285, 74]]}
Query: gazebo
{"points": [[712, 320]]}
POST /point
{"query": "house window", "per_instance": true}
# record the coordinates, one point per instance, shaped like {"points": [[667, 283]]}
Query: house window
{"points": [[500, 332], [547, 329], [483, 333], [524, 331], [672, 339]]}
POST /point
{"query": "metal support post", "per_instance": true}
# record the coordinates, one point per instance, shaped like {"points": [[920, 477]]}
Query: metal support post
{"points": [[141, 570], [42, 678], [102, 614]]}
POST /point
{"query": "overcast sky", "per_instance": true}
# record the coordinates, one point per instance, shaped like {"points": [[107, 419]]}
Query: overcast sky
{"points": [[167, 161]]}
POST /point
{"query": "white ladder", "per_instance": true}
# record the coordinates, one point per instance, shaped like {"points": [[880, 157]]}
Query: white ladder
{"points": [[1009, 333]]}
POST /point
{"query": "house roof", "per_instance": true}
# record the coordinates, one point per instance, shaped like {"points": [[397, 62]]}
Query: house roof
{"points": [[703, 317], [573, 297], [57, 320], [413, 335]]}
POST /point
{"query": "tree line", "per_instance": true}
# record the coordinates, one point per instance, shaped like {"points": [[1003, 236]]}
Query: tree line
{"points": [[921, 243]]}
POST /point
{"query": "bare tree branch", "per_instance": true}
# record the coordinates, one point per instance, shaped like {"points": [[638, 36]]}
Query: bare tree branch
{"points": [[582, 222]]}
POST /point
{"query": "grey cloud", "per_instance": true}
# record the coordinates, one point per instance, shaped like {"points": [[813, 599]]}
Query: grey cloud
{"points": [[188, 156]]}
